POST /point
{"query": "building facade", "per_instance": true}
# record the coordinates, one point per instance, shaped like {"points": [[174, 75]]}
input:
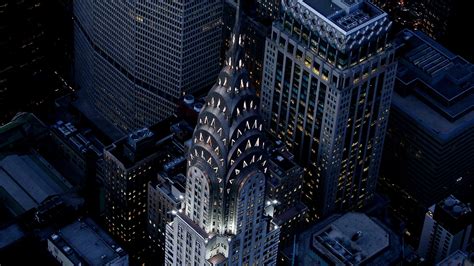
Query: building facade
{"points": [[430, 135], [222, 221], [129, 165], [165, 196], [134, 59], [447, 228], [328, 78]]}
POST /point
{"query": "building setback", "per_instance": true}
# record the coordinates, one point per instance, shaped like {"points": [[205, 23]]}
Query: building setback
{"points": [[328, 78], [134, 59]]}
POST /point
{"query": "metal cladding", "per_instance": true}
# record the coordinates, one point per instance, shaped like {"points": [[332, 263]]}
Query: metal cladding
{"points": [[228, 142]]}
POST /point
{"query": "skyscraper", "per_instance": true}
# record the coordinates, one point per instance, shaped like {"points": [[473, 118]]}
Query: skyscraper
{"points": [[130, 163], [328, 78], [447, 228], [223, 222], [430, 138], [134, 59]]}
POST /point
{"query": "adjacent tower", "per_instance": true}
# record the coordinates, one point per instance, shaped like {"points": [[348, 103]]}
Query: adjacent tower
{"points": [[328, 79], [222, 221], [134, 59]]}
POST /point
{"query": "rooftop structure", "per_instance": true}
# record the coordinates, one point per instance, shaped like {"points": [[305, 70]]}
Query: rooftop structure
{"points": [[27, 180], [436, 85], [83, 242], [81, 140], [349, 239], [446, 229], [453, 214], [346, 24]]}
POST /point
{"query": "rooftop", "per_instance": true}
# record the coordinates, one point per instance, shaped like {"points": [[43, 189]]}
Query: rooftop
{"points": [[452, 214], [350, 239], [173, 187], [434, 86], [164, 139], [454, 207], [345, 24], [455, 259], [82, 140], [28, 180], [347, 14], [85, 241]]}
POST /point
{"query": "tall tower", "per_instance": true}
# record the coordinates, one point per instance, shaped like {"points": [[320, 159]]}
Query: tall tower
{"points": [[222, 220], [134, 59], [328, 79]]}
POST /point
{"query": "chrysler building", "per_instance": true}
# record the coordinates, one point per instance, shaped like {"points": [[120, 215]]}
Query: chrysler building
{"points": [[222, 220]]}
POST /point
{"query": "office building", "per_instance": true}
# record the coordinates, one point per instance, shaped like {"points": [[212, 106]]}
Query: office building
{"points": [[349, 239], [134, 59], [430, 137], [328, 78], [283, 191], [79, 149], [222, 221], [85, 243], [285, 179], [165, 196], [130, 164], [442, 20], [447, 228]]}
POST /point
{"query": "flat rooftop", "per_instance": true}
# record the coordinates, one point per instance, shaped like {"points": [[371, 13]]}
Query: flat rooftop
{"points": [[349, 239], [88, 242], [164, 139], [440, 78], [353, 237], [28, 180], [434, 86], [346, 14]]}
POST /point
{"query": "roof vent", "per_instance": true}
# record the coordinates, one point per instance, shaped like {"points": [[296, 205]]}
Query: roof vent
{"points": [[357, 236], [449, 202], [189, 99], [198, 107], [67, 249]]}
